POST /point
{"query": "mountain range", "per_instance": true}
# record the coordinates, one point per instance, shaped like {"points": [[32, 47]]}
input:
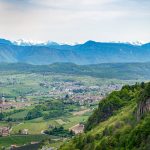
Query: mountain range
{"points": [[90, 52]]}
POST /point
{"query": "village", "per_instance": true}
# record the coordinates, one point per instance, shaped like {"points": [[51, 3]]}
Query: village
{"points": [[77, 94], [74, 92], [13, 104]]}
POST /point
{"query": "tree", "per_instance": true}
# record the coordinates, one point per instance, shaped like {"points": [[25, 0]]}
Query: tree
{"points": [[1, 116]]}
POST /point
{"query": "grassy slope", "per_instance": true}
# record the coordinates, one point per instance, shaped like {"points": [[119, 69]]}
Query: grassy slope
{"points": [[19, 115], [99, 129], [121, 131], [120, 117]]}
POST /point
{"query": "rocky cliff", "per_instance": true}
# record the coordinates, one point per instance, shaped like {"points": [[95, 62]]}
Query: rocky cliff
{"points": [[143, 108]]}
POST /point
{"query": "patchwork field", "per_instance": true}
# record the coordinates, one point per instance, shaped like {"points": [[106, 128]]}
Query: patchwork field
{"points": [[21, 139], [36, 126]]}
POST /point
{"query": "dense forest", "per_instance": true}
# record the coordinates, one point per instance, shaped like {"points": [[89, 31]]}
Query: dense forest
{"points": [[122, 121]]}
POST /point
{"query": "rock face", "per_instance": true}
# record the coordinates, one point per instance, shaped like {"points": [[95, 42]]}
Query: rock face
{"points": [[143, 108]]}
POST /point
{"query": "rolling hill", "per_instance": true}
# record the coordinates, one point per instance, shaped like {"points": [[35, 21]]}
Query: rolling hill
{"points": [[125, 71]]}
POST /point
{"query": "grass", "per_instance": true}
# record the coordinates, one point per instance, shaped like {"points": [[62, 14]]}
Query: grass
{"points": [[7, 124], [56, 144], [60, 122], [73, 120], [3, 123], [34, 127], [19, 115], [121, 116], [20, 139]]}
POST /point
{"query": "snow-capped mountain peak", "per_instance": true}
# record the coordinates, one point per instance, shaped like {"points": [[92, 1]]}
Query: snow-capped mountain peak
{"points": [[22, 42]]}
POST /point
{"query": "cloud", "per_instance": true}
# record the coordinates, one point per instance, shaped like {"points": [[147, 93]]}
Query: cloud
{"points": [[75, 20]]}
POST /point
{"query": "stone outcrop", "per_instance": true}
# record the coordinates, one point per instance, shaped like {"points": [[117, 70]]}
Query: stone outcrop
{"points": [[143, 108]]}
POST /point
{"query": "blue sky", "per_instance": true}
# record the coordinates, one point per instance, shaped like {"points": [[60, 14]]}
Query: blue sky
{"points": [[72, 21]]}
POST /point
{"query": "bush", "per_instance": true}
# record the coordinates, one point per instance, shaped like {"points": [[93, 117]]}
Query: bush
{"points": [[34, 113]]}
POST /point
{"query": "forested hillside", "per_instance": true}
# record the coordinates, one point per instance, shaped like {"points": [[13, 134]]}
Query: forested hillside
{"points": [[122, 121], [109, 70]]}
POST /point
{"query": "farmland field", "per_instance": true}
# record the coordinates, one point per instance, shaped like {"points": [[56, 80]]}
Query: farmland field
{"points": [[20, 139]]}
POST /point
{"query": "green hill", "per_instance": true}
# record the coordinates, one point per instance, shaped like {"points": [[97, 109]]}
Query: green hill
{"points": [[121, 122], [126, 71]]}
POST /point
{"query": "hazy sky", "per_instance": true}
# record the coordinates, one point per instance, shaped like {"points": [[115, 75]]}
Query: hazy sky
{"points": [[75, 20]]}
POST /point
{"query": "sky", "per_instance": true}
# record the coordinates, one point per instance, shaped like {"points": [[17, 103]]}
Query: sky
{"points": [[75, 21]]}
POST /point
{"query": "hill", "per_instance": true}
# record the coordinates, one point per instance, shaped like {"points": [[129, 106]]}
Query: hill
{"points": [[90, 52], [111, 70], [122, 121]]}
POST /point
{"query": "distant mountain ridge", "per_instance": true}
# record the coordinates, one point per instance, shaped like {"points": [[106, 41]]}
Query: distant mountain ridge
{"points": [[90, 52]]}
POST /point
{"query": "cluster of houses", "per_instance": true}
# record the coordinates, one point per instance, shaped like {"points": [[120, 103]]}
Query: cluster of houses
{"points": [[82, 94], [4, 131], [8, 104], [77, 129], [84, 99]]}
